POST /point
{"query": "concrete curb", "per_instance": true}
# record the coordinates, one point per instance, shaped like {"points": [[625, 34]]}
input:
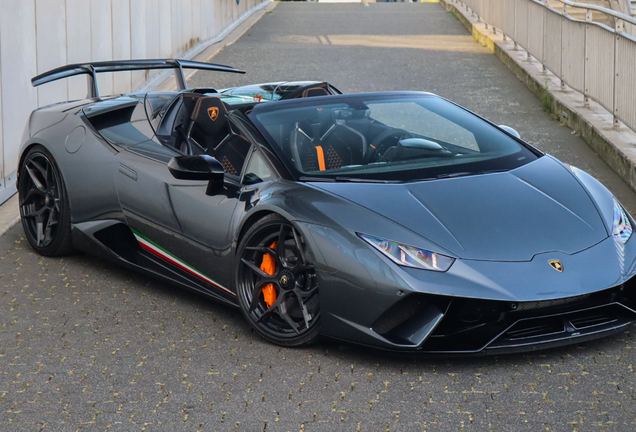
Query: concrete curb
{"points": [[594, 124], [9, 214]]}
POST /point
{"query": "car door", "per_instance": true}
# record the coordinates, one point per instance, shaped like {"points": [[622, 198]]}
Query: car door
{"points": [[141, 177], [176, 217], [207, 222]]}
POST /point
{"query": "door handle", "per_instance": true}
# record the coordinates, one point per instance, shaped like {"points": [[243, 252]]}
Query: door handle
{"points": [[128, 172]]}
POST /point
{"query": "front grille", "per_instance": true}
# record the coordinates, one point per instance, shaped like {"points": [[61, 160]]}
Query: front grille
{"points": [[546, 304], [563, 326], [474, 324], [592, 321], [534, 328]]}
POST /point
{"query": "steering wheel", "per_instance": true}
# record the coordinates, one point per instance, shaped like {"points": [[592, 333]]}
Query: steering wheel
{"points": [[382, 143]]}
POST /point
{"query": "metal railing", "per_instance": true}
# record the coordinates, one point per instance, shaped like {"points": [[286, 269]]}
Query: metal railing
{"points": [[590, 57]]}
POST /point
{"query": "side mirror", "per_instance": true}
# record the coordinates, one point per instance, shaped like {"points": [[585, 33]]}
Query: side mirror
{"points": [[510, 130], [200, 167]]}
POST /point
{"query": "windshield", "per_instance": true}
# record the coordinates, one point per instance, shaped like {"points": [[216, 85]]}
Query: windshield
{"points": [[260, 92], [398, 137]]}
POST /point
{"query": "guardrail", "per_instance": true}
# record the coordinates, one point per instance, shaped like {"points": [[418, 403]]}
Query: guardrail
{"points": [[590, 57]]}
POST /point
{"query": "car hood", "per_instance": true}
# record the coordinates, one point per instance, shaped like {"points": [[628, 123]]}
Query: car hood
{"points": [[507, 216]]}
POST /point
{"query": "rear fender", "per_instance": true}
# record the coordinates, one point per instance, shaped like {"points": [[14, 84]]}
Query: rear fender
{"points": [[85, 161]]}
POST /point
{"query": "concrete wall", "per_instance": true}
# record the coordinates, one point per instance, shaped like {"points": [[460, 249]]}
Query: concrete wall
{"points": [[38, 35]]}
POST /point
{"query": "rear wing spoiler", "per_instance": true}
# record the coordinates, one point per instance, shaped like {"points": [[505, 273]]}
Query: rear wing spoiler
{"points": [[91, 69]]}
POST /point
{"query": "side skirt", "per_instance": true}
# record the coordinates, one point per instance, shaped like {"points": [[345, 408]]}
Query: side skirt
{"points": [[116, 242]]}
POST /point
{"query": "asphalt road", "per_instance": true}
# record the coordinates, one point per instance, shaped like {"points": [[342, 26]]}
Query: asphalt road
{"points": [[85, 345]]}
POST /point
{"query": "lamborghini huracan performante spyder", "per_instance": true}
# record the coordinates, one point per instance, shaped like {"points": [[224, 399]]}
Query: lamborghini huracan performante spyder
{"points": [[396, 220]]}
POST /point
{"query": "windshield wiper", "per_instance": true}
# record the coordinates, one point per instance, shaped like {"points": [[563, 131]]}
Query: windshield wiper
{"points": [[468, 173], [345, 179], [317, 179], [362, 180], [459, 174]]}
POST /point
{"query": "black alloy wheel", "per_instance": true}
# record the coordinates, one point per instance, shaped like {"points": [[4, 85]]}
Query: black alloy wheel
{"points": [[293, 318], [44, 208]]}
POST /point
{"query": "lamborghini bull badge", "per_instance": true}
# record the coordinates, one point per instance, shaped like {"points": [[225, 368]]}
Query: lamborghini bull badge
{"points": [[213, 113], [556, 264]]}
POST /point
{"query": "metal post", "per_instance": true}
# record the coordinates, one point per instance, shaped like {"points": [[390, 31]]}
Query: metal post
{"points": [[516, 35], [543, 68], [565, 12], [562, 48], [586, 99], [528, 38], [618, 27]]}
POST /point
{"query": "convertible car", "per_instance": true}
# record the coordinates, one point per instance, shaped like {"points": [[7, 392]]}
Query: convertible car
{"points": [[396, 220]]}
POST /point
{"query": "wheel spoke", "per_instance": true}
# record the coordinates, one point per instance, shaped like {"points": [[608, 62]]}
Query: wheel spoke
{"points": [[264, 249], [31, 194], [299, 246], [306, 294], [40, 232], [47, 234], [280, 245], [303, 308], [36, 181], [44, 171], [270, 309], [255, 269], [28, 210], [256, 292], [52, 219], [282, 311]]}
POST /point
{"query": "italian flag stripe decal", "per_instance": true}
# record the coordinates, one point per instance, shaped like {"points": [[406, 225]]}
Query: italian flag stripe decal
{"points": [[157, 250]]}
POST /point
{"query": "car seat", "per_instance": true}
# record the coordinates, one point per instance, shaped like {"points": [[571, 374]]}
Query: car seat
{"points": [[209, 125]]}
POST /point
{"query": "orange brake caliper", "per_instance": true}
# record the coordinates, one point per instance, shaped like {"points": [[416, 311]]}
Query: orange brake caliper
{"points": [[269, 266]]}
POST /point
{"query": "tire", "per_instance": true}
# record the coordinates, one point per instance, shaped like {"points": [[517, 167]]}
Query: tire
{"points": [[292, 318], [44, 207]]}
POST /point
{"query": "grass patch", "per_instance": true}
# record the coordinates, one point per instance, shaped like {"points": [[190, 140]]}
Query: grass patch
{"points": [[545, 99]]}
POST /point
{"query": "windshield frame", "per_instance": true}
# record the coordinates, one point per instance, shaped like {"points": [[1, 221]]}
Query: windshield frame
{"points": [[445, 171]]}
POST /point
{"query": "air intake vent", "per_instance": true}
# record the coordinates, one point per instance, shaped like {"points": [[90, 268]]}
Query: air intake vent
{"points": [[534, 328], [592, 321]]}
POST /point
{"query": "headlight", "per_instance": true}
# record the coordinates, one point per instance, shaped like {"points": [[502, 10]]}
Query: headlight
{"points": [[622, 229], [409, 256]]}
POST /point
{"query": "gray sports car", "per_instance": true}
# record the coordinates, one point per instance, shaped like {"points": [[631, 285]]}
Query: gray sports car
{"points": [[396, 220]]}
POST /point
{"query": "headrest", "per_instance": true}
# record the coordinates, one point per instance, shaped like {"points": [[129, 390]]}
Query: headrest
{"points": [[315, 92], [209, 114]]}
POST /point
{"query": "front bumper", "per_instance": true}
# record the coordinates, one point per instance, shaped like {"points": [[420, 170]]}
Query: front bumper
{"points": [[477, 307], [469, 326]]}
